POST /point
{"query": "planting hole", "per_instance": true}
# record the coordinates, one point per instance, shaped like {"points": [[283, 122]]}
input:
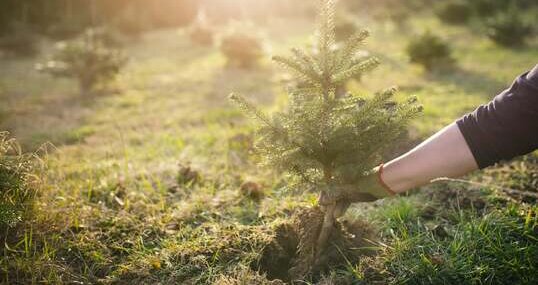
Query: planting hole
{"points": [[289, 255]]}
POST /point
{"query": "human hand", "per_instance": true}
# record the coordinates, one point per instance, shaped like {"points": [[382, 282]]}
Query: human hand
{"points": [[342, 200], [367, 189], [349, 193]]}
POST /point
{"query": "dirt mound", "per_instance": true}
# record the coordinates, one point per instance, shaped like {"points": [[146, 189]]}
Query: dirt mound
{"points": [[290, 255]]}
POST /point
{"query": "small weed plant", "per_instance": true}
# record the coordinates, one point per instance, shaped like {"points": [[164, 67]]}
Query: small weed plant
{"points": [[18, 182]]}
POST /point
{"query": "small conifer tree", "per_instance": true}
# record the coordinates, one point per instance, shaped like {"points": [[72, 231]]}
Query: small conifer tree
{"points": [[201, 32], [430, 51], [88, 59], [508, 28], [241, 47], [325, 139]]}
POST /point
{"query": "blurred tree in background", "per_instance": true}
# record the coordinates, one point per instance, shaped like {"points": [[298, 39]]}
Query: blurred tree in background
{"points": [[430, 51], [89, 59], [63, 18], [453, 12], [69, 16], [45, 16]]}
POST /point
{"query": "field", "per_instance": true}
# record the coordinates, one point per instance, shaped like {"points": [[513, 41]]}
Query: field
{"points": [[142, 184]]}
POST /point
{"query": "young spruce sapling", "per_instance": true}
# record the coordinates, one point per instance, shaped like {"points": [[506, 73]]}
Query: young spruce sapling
{"points": [[329, 140]]}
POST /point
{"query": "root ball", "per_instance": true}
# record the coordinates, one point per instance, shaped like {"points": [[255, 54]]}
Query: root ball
{"points": [[290, 254]]}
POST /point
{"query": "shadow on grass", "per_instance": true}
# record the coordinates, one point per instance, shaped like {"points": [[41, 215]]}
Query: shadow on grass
{"points": [[471, 82], [254, 83], [57, 119], [67, 115]]}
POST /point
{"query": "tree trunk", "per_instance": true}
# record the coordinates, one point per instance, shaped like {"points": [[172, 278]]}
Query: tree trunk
{"points": [[326, 228], [328, 223]]}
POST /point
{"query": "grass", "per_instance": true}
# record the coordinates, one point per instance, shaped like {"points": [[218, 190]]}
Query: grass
{"points": [[19, 182], [495, 247], [112, 212]]}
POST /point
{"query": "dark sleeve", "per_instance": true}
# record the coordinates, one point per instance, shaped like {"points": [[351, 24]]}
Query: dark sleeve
{"points": [[507, 126]]}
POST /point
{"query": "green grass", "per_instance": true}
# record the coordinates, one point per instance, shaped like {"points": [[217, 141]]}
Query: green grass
{"points": [[112, 211], [498, 247], [19, 183]]}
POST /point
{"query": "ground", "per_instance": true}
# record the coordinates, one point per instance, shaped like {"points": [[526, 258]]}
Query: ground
{"points": [[114, 210]]}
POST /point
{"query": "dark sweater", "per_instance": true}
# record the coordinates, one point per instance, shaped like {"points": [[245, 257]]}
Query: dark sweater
{"points": [[507, 126]]}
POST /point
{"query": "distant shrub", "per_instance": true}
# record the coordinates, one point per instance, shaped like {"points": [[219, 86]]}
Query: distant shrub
{"points": [[429, 51], [64, 29], [87, 59], [485, 8], [396, 11], [19, 41], [201, 32], [241, 49], [18, 45], [201, 35], [169, 13], [131, 22], [399, 14], [488, 8], [109, 37], [18, 182], [508, 29], [454, 12]]}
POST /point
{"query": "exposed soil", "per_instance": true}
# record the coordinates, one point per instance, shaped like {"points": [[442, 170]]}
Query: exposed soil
{"points": [[290, 254], [451, 195]]}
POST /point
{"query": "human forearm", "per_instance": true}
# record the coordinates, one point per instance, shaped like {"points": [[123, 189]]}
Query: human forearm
{"points": [[501, 129], [445, 154]]}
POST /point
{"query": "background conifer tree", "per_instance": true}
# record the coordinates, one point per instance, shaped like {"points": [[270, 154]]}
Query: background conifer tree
{"points": [[323, 138], [89, 59]]}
